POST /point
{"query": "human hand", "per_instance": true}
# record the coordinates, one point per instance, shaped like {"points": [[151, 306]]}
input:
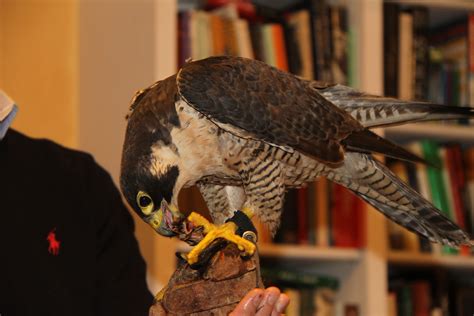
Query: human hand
{"points": [[259, 302]]}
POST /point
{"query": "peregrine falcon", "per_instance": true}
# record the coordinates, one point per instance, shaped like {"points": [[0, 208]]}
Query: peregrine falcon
{"points": [[244, 132]]}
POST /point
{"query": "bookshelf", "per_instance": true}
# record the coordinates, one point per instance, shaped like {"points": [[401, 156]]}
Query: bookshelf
{"points": [[302, 252], [407, 258], [363, 273], [454, 4]]}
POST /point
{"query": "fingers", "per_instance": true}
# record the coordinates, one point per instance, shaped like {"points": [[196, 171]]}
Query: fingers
{"points": [[249, 304], [266, 306], [281, 304], [258, 302]]}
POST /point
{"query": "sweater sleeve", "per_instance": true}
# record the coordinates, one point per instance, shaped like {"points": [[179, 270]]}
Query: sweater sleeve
{"points": [[120, 269]]}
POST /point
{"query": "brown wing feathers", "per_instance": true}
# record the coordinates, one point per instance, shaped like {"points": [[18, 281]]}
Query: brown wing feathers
{"points": [[277, 107]]}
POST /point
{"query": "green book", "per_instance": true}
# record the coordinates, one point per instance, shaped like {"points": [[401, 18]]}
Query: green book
{"points": [[404, 301], [437, 184], [286, 277]]}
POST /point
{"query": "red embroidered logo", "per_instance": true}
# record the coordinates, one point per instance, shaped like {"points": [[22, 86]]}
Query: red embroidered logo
{"points": [[53, 243]]}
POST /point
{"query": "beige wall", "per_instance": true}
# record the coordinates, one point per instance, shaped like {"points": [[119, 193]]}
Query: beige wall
{"points": [[116, 60], [72, 66], [39, 66]]}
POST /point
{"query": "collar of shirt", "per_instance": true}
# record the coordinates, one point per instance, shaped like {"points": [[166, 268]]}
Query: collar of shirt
{"points": [[5, 124], [8, 110]]}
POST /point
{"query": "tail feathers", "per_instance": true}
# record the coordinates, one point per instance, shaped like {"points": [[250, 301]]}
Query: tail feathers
{"points": [[382, 189], [366, 141], [376, 111]]}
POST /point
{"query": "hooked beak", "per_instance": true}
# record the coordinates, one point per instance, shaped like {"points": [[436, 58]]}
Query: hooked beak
{"points": [[166, 219]]}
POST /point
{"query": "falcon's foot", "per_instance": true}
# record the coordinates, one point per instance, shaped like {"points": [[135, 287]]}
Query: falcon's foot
{"points": [[213, 232]]}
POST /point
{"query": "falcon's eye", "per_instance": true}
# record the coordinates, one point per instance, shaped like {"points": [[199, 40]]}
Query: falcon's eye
{"points": [[145, 202]]}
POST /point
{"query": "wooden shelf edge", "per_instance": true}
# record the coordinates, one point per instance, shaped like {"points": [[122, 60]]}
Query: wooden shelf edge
{"points": [[419, 259], [427, 130], [299, 252], [452, 4], [309, 252]]}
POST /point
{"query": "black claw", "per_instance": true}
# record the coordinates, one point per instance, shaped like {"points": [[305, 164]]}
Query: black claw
{"points": [[206, 255]]}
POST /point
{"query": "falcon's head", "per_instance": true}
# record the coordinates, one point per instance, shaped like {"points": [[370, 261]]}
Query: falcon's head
{"points": [[150, 161]]}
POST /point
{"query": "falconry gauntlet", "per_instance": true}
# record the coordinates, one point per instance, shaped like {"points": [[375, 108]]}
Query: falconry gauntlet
{"points": [[213, 289]]}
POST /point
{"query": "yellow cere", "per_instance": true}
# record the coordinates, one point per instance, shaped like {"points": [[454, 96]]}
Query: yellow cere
{"points": [[155, 220]]}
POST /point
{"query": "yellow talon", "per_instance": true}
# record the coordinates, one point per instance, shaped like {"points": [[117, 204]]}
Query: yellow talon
{"points": [[247, 211], [200, 220], [226, 231]]}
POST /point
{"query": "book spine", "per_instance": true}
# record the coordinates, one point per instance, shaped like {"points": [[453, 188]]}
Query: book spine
{"points": [[405, 59], [436, 182], [420, 47], [391, 41], [470, 55], [302, 216]]}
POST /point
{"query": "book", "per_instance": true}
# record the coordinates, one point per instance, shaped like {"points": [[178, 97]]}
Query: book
{"points": [[322, 212], [256, 37], [456, 182], [405, 59], [464, 301], [302, 207], [391, 40], [392, 304], [281, 59], [293, 308], [202, 42], [346, 211], [184, 37], [244, 42], [404, 301], [470, 54], [468, 156], [339, 41], [287, 233], [294, 278], [311, 213], [268, 47], [321, 43], [420, 52], [302, 64], [421, 297], [324, 302], [436, 182]]}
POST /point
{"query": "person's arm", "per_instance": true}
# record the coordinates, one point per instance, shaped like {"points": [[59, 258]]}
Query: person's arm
{"points": [[259, 302]]}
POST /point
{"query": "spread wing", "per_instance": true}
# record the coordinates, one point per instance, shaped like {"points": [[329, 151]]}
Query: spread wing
{"points": [[261, 102]]}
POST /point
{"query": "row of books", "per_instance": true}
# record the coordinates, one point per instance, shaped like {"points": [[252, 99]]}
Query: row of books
{"points": [[426, 63], [323, 214], [448, 182], [310, 41], [309, 293], [424, 297]]}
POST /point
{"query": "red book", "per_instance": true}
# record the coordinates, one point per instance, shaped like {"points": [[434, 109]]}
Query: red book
{"points": [[421, 298], [456, 179], [280, 50], [302, 197], [347, 218]]}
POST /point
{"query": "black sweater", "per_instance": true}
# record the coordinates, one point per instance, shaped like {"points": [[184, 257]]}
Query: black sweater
{"points": [[48, 190]]}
